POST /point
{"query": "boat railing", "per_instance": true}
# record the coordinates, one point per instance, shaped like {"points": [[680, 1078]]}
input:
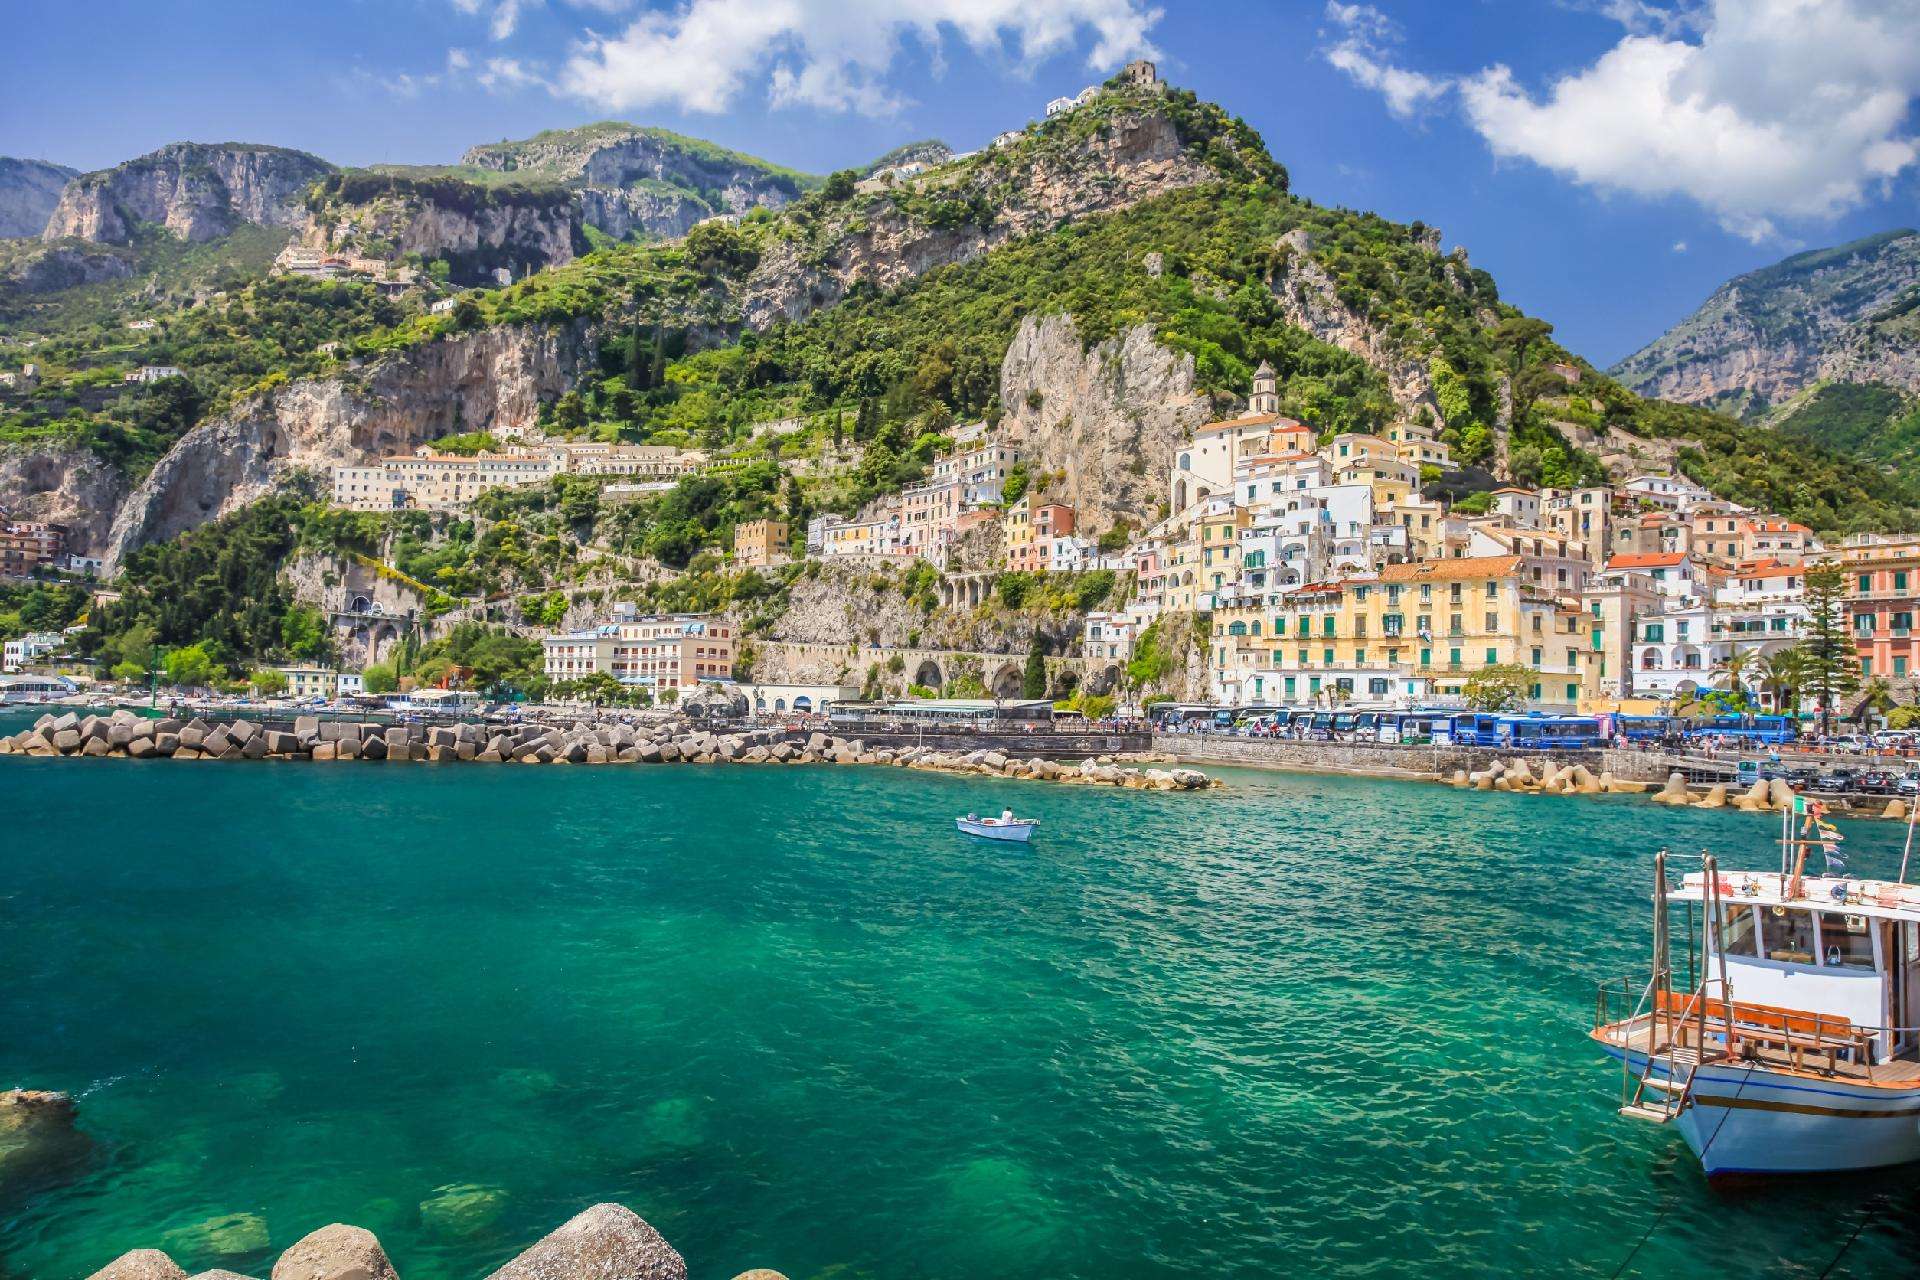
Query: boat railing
{"points": [[1705, 1024]]}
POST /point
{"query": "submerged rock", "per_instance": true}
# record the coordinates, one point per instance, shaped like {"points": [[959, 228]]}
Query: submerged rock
{"points": [[38, 1140], [227, 1233], [462, 1209], [606, 1242]]}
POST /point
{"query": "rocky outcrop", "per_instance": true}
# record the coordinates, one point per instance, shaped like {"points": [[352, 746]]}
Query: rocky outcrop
{"points": [[885, 239], [480, 381], [640, 212], [1309, 300], [65, 264], [607, 1240], [1107, 420], [1766, 335], [195, 190], [476, 230], [63, 484], [29, 190]]}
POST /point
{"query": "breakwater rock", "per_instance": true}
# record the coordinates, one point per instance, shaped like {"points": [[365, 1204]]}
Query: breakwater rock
{"points": [[309, 738], [606, 1242]]}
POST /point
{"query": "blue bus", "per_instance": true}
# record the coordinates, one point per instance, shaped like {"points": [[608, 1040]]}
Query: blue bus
{"points": [[1536, 731], [1645, 728], [1747, 728]]}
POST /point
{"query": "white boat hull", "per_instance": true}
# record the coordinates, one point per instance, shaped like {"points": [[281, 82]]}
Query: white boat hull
{"points": [[1017, 831], [1743, 1119]]}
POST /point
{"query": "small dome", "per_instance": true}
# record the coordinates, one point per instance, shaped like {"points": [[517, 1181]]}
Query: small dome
{"points": [[1264, 371]]}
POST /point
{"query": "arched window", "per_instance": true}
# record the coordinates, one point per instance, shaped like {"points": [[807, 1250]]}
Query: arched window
{"points": [[1186, 462], [779, 704]]}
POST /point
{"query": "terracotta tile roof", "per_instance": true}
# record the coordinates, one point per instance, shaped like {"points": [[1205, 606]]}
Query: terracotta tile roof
{"points": [[1649, 561], [1768, 569], [1273, 420], [1452, 569]]}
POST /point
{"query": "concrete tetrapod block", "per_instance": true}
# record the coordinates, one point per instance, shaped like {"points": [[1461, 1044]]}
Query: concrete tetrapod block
{"points": [[335, 1252], [141, 1264], [1716, 797], [608, 1240]]}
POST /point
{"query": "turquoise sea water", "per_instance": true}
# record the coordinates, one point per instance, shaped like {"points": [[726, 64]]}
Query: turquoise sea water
{"points": [[1312, 1025]]}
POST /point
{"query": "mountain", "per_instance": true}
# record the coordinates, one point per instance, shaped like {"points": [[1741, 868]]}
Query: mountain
{"points": [[29, 189], [1846, 314], [476, 228], [643, 182], [1096, 284], [197, 191]]}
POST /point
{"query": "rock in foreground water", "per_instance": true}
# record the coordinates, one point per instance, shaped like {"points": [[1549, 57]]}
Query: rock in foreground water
{"points": [[141, 1264], [606, 1242], [335, 1252]]}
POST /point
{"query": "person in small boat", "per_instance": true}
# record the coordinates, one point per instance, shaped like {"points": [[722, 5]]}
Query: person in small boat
{"points": [[1006, 816]]}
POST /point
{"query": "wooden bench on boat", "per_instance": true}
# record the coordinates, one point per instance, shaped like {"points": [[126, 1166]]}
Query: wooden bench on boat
{"points": [[1792, 1031]]}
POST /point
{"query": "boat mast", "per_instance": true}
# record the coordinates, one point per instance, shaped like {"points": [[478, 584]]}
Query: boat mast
{"points": [[1913, 811], [1659, 946]]}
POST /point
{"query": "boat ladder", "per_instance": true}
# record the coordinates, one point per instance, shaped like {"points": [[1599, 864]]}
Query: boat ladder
{"points": [[1658, 1099]]}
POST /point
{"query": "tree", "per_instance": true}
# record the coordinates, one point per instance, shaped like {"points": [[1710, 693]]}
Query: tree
{"points": [[1501, 687], [1830, 666], [190, 666], [1735, 666], [129, 671], [268, 682], [1877, 698], [1782, 675], [1033, 680], [379, 677]]}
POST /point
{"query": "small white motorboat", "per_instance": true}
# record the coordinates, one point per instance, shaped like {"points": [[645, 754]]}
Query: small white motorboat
{"points": [[1004, 827]]}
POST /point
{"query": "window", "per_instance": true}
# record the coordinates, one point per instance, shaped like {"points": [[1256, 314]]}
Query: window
{"points": [[1900, 580], [1655, 633], [1453, 657], [1845, 942], [1536, 655], [1899, 667], [1738, 937], [1326, 625], [1326, 657], [1866, 583], [1493, 656]]}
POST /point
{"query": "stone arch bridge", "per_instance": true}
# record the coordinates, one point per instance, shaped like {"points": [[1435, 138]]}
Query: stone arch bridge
{"points": [[803, 662]]}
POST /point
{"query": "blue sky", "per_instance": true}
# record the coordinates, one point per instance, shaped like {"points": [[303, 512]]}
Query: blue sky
{"points": [[1609, 161]]}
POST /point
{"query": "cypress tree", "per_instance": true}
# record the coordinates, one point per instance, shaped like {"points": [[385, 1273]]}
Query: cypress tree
{"points": [[1831, 666]]}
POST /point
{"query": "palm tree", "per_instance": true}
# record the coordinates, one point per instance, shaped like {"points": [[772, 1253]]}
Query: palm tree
{"points": [[1781, 674], [1878, 696], [1737, 661]]}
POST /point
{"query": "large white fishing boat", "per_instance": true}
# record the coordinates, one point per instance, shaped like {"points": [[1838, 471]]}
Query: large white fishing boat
{"points": [[1786, 1037]]}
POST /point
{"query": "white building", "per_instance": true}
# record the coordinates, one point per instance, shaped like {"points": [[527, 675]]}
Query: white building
{"points": [[1672, 493], [154, 373], [25, 650], [1109, 636], [656, 650]]}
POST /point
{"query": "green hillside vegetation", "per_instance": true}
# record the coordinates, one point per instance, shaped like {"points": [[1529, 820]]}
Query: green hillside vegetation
{"points": [[517, 156], [457, 193], [257, 337], [1867, 419], [167, 271]]}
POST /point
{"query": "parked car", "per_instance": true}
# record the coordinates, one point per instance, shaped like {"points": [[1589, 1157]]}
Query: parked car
{"points": [[1876, 782], [1908, 785], [1835, 780]]}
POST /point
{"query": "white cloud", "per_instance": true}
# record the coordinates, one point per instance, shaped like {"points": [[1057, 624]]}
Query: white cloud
{"points": [[829, 54], [1679, 246], [1794, 109], [502, 74], [1361, 53], [1761, 111]]}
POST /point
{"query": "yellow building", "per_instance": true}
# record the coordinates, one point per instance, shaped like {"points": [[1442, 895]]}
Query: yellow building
{"points": [[1416, 631], [1216, 534], [760, 544]]}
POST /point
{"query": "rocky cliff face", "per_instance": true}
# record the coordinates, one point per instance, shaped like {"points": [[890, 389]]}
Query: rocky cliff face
{"points": [[640, 212], [194, 190], [1108, 419], [886, 241], [64, 485], [518, 233], [483, 381], [49, 268], [648, 182], [29, 190], [1766, 335]]}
